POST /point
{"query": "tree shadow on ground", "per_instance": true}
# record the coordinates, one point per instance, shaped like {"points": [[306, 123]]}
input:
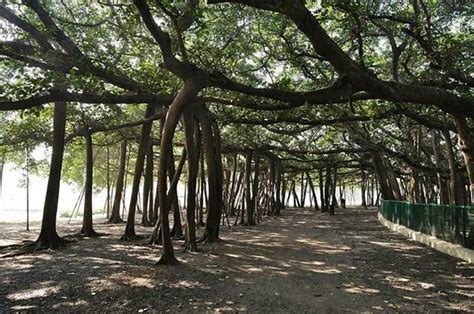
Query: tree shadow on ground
{"points": [[300, 261]]}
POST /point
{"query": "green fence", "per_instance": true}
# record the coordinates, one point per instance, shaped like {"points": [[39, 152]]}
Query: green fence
{"points": [[449, 223]]}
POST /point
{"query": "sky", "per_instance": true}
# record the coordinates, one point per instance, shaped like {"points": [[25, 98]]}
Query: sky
{"points": [[13, 198]]}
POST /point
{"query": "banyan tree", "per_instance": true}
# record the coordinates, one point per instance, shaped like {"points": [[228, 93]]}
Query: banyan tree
{"points": [[248, 103]]}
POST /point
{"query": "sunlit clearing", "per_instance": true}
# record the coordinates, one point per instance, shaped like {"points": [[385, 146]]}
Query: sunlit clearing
{"points": [[33, 293]]}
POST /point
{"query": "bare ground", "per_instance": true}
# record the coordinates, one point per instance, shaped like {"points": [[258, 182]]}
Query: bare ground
{"points": [[299, 262]]}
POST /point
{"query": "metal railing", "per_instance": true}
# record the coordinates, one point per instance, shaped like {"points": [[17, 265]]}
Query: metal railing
{"points": [[446, 222]]}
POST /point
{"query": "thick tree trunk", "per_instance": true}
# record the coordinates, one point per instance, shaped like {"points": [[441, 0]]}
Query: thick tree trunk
{"points": [[454, 195], [48, 237], [283, 190], [119, 186], [124, 196], [377, 193], [342, 193], [248, 190], [442, 186], [177, 230], [226, 193], [296, 200], [278, 186], [156, 203], [239, 187], [220, 168], [303, 190], [392, 180], [313, 191], [421, 188], [156, 237], [371, 188], [333, 193], [202, 183], [253, 209], [415, 181], [87, 224], [214, 172], [454, 185], [290, 190], [233, 187], [270, 205], [466, 141], [190, 89], [192, 148], [381, 173], [327, 188], [321, 190], [147, 185], [363, 181], [108, 182], [151, 214], [139, 163]]}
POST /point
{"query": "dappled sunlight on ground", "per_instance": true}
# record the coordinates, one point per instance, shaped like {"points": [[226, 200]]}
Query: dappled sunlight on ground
{"points": [[301, 261], [357, 289]]}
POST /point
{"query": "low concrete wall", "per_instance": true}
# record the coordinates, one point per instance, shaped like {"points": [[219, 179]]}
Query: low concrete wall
{"points": [[440, 245]]}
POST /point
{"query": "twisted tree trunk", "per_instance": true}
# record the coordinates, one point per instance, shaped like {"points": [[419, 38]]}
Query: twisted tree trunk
{"points": [[142, 149], [192, 148], [48, 237], [190, 89], [214, 170]]}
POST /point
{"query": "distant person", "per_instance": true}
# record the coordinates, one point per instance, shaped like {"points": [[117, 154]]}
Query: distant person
{"points": [[343, 202]]}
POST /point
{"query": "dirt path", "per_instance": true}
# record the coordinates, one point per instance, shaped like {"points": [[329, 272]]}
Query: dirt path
{"points": [[299, 262]]}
